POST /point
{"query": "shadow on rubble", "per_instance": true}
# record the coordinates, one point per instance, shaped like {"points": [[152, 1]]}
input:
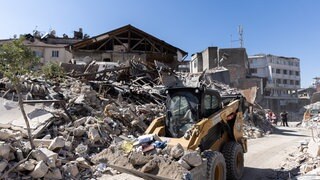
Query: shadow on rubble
{"points": [[287, 132], [266, 174]]}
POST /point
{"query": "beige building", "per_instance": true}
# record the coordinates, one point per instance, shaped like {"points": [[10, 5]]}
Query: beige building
{"points": [[48, 48], [49, 52]]}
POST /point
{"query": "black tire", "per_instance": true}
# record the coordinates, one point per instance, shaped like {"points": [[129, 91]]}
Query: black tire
{"points": [[216, 167], [233, 154]]}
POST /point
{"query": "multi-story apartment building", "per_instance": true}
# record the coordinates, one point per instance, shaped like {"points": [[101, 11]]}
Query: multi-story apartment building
{"points": [[283, 79]]}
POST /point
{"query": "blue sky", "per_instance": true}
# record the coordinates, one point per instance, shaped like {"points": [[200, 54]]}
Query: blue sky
{"points": [[280, 27]]}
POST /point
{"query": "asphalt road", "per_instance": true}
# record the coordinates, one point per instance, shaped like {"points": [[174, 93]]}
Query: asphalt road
{"points": [[265, 154]]}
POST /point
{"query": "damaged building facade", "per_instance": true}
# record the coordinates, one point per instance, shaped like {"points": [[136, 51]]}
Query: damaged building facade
{"points": [[283, 80], [232, 65], [124, 44]]}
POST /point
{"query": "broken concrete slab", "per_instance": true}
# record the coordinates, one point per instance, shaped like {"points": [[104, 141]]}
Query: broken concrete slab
{"points": [[192, 159], [10, 111], [42, 142], [177, 151], [313, 148], [6, 134], [71, 168], [79, 122], [53, 174], [43, 154], [40, 170], [5, 150], [57, 142], [94, 135], [36, 118], [3, 165]]}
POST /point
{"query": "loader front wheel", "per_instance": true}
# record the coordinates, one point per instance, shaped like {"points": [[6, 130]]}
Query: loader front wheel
{"points": [[216, 167], [233, 154]]}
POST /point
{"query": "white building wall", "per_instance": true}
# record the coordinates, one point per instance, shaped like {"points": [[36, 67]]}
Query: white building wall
{"points": [[277, 70]]}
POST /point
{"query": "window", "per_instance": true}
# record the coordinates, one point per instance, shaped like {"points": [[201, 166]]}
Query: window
{"points": [[290, 72], [297, 73], [272, 70], [38, 53], [106, 60], [210, 104], [285, 71], [55, 54], [180, 116], [278, 71], [291, 82], [298, 83], [278, 81], [284, 81], [253, 70]]}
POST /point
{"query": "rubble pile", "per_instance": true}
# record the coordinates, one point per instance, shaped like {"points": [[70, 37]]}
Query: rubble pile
{"points": [[258, 126], [74, 119], [148, 153], [66, 134]]}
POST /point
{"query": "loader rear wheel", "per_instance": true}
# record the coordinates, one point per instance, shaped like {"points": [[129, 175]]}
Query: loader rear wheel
{"points": [[233, 154], [216, 167]]}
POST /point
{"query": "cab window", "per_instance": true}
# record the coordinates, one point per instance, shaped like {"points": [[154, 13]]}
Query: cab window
{"points": [[181, 118], [211, 103]]}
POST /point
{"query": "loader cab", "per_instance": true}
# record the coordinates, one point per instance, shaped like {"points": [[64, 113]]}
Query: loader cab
{"points": [[187, 106]]}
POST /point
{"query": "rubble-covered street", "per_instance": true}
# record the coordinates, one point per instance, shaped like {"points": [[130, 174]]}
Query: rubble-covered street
{"points": [[141, 90], [73, 120]]}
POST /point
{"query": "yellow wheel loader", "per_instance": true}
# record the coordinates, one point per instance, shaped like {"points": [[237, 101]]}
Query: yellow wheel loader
{"points": [[202, 120]]}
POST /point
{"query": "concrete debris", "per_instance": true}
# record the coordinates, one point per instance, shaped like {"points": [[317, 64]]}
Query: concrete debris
{"points": [[177, 151], [5, 150], [193, 159], [3, 165], [40, 170], [92, 116], [57, 142], [313, 148], [151, 165], [53, 174], [71, 169]]}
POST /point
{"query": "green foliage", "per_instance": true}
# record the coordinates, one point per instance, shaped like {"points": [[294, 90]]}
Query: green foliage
{"points": [[16, 59], [53, 70]]}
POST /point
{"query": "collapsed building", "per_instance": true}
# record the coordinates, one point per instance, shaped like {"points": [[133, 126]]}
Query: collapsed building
{"points": [[124, 44]]}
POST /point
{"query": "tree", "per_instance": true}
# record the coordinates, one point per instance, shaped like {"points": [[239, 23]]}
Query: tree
{"points": [[16, 59], [53, 70]]}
